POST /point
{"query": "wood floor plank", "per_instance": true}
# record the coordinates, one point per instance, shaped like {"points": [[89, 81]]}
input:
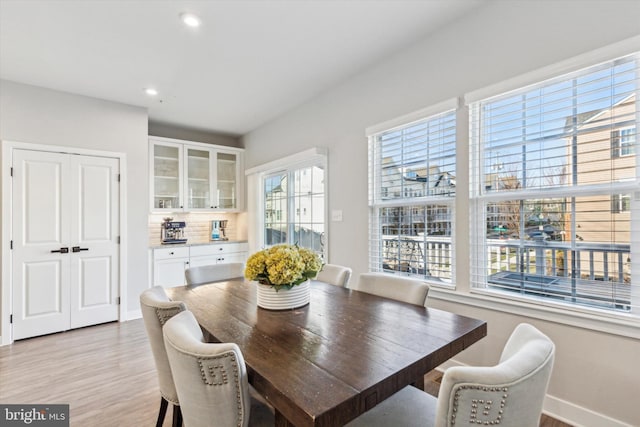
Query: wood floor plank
{"points": [[105, 373]]}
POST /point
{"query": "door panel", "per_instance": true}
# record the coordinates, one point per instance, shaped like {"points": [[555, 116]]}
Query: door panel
{"points": [[95, 218], [40, 225], [95, 201], [43, 289]]}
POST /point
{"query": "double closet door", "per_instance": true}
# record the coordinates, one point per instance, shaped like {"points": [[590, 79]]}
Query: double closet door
{"points": [[65, 254]]}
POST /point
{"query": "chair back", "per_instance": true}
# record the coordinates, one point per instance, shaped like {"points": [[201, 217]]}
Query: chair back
{"points": [[157, 308], [400, 288], [211, 379], [509, 394], [213, 273], [335, 274]]}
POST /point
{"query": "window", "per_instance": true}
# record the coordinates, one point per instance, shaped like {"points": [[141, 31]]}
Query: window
{"points": [[299, 190], [620, 203], [623, 141], [412, 190], [554, 171]]}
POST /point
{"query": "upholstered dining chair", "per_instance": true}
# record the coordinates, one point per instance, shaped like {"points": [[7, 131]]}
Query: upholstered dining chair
{"points": [[156, 310], [213, 273], [334, 274], [509, 394], [211, 378], [400, 288]]}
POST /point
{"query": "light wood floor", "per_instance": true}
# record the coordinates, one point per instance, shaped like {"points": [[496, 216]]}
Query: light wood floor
{"points": [[105, 373]]}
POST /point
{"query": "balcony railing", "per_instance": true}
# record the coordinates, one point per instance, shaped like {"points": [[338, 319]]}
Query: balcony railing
{"points": [[591, 274]]}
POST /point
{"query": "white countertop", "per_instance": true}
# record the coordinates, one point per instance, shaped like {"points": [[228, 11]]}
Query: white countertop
{"points": [[188, 244]]}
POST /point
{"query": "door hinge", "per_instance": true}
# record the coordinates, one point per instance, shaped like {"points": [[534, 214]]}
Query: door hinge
{"points": [[11, 318], [118, 301], [11, 244], [11, 171], [118, 177], [118, 240]]}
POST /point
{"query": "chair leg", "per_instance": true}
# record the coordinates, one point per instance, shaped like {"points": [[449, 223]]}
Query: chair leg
{"points": [[163, 411], [177, 416]]}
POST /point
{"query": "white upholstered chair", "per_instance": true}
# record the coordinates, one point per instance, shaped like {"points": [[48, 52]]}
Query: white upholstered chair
{"points": [[211, 379], [509, 394], [335, 275], [213, 273], [156, 310], [400, 288]]}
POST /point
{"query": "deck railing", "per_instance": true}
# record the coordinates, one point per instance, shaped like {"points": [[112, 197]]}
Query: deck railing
{"points": [[587, 273]]}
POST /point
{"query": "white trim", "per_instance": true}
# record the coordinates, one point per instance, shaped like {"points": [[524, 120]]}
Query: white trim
{"points": [[565, 315], [7, 221], [5, 284], [561, 191], [195, 143], [588, 59], [560, 409], [292, 161], [422, 114]]}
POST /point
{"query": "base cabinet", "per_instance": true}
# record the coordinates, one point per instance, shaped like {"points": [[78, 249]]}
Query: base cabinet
{"points": [[169, 264]]}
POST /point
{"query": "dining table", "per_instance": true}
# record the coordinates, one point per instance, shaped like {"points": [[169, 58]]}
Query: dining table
{"points": [[325, 363]]}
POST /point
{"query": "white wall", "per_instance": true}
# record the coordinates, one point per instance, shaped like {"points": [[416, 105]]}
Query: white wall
{"points": [[42, 116], [501, 40]]}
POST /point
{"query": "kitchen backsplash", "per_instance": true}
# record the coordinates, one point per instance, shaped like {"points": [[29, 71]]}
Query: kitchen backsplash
{"points": [[198, 226]]}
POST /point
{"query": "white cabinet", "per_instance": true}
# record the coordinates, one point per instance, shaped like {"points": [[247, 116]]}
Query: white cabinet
{"points": [[217, 254], [194, 177], [169, 263]]}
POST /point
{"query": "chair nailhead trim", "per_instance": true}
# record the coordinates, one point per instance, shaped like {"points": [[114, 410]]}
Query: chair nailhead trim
{"points": [[214, 373], [484, 404], [165, 314]]}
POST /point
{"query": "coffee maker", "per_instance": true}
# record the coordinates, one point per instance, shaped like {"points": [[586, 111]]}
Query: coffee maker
{"points": [[218, 229], [172, 232]]}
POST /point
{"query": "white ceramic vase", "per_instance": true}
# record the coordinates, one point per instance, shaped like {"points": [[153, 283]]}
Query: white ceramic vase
{"points": [[284, 299]]}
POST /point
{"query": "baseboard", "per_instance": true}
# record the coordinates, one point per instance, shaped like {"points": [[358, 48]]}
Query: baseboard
{"points": [[562, 410], [578, 416], [133, 314]]}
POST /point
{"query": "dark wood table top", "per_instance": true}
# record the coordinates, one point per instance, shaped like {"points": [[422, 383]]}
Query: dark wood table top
{"points": [[328, 362]]}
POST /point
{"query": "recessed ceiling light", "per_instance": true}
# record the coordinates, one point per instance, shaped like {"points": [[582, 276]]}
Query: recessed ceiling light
{"points": [[190, 20], [151, 91]]}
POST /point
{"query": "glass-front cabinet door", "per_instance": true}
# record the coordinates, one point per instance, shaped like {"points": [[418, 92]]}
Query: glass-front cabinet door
{"points": [[198, 182], [192, 176], [167, 176], [227, 183]]}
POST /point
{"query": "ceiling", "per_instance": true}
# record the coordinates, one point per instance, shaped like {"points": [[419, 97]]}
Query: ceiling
{"points": [[249, 61]]}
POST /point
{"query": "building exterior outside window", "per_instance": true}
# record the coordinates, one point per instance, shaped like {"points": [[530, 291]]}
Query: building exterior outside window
{"points": [[413, 186]]}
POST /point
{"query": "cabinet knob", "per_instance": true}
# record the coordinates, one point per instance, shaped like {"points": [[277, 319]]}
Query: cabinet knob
{"points": [[170, 253]]}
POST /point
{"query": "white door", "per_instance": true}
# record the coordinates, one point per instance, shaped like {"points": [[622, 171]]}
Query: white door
{"points": [[65, 253], [94, 234]]}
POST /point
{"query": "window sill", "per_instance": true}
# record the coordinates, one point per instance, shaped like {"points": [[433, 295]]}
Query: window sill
{"points": [[626, 325]]}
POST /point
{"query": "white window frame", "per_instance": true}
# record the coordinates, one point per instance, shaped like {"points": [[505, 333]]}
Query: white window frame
{"points": [[377, 201], [598, 319], [316, 156]]}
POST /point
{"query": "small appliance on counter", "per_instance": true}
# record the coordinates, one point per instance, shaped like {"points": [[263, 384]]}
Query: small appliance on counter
{"points": [[172, 232], [217, 230]]}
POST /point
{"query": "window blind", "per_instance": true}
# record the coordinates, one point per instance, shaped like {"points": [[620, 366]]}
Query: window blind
{"points": [[412, 183], [555, 189]]}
